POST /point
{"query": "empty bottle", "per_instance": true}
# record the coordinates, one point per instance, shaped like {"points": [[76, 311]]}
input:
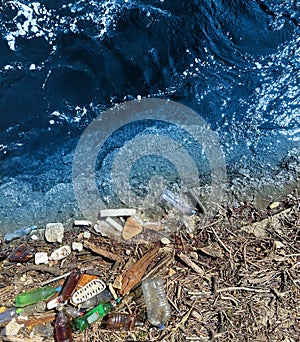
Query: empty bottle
{"points": [[22, 254], [81, 323], [63, 328], [177, 202], [18, 233], [102, 297], [7, 315], [36, 295], [67, 290], [158, 309], [120, 321]]}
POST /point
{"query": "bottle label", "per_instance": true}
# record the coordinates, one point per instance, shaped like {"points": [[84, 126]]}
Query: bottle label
{"points": [[93, 317]]}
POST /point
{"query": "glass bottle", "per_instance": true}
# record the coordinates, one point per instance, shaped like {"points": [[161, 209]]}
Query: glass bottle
{"points": [[63, 328], [35, 296]]}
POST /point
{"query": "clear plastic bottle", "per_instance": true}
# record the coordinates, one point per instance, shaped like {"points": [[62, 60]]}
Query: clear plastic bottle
{"points": [[18, 233], [104, 296], [158, 309]]}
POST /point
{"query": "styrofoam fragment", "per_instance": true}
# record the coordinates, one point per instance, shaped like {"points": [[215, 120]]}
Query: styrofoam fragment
{"points": [[116, 212]]}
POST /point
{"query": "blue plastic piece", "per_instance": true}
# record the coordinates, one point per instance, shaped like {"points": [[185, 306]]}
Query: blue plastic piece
{"points": [[18, 233]]}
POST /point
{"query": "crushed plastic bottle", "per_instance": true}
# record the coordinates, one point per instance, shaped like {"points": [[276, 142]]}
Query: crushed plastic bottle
{"points": [[177, 202], [102, 297], [18, 233], [120, 321], [158, 309], [36, 295], [63, 328], [67, 290], [81, 323], [22, 254], [7, 315]]}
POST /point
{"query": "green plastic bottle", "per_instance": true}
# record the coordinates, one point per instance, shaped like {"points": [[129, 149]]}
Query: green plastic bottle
{"points": [[35, 296], [81, 323]]}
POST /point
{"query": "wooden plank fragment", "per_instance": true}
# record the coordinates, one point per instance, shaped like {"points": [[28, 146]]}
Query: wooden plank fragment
{"points": [[101, 251]]}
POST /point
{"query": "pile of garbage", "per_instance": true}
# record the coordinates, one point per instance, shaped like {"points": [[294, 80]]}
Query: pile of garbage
{"points": [[70, 302]]}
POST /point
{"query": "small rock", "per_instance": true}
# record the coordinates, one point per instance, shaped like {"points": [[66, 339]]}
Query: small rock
{"points": [[133, 226], [77, 246], [54, 232], [41, 258], [34, 237], [165, 241], [60, 253], [118, 282], [279, 244], [86, 235], [127, 252]]}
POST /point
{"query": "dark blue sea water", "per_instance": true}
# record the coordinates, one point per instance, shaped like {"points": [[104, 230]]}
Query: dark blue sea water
{"points": [[236, 63]]}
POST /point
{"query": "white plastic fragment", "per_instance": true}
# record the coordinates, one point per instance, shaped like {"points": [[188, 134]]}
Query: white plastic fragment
{"points": [[105, 229], [54, 232], [165, 241], [116, 212], [41, 258], [12, 328], [88, 291], [77, 246], [82, 223], [114, 224], [60, 253]]}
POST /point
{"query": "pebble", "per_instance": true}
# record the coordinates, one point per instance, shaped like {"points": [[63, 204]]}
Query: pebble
{"points": [[165, 241], [41, 258], [86, 235], [77, 246], [54, 232]]}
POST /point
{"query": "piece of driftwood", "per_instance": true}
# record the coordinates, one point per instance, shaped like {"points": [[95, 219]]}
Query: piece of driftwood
{"points": [[101, 251], [135, 273]]}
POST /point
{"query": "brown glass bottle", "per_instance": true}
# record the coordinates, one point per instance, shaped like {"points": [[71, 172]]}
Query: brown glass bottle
{"points": [[70, 285], [120, 321], [63, 328]]}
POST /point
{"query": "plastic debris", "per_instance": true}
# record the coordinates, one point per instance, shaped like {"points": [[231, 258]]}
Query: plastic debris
{"points": [[36, 295], [22, 254], [177, 202], [41, 258], [63, 328], [105, 229], [120, 321], [102, 297], [67, 290], [54, 232], [116, 212], [7, 315], [60, 253], [12, 328], [82, 223], [81, 323], [158, 309], [133, 226], [18, 233], [114, 224], [88, 291]]}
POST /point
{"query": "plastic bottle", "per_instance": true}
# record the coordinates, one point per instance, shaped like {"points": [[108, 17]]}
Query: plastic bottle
{"points": [[18, 233], [102, 297], [81, 323], [177, 202], [120, 321], [35, 296], [158, 309], [7, 315], [63, 328]]}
